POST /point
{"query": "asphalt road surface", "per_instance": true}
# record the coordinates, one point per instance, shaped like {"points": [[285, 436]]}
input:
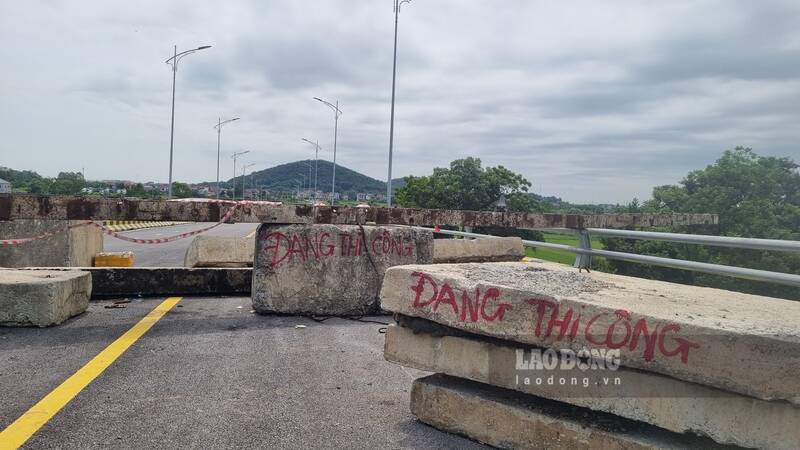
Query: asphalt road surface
{"points": [[211, 374], [170, 254]]}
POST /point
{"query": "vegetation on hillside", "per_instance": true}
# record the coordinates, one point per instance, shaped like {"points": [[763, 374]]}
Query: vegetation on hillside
{"points": [[287, 177], [66, 183]]}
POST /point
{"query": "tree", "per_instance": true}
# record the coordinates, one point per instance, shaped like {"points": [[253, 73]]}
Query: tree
{"points": [[465, 185], [181, 190], [137, 190], [755, 196], [68, 183]]}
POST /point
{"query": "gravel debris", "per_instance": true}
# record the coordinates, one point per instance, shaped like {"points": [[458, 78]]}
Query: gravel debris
{"points": [[536, 279]]}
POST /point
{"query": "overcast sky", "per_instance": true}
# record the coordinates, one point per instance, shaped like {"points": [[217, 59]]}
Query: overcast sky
{"points": [[591, 101]]}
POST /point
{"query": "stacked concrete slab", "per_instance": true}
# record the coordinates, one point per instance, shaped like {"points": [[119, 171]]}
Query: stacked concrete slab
{"points": [[711, 366], [330, 269]]}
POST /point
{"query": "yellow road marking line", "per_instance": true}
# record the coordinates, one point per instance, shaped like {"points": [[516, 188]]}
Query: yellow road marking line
{"points": [[39, 414]]}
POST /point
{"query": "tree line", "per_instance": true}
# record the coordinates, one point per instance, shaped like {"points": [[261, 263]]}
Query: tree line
{"points": [[754, 196]]}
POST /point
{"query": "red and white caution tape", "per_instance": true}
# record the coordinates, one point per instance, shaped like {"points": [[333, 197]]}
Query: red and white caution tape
{"points": [[115, 234], [44, 235], [166, 239]]}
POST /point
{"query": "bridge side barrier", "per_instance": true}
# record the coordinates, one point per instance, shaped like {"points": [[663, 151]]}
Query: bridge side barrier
{"points": [[716, 269]]}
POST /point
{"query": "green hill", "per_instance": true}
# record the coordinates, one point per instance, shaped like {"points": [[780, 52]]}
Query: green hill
{"points": [[287, 176]]}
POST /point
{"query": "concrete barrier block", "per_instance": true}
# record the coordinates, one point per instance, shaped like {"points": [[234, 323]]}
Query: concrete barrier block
{"points": [[505, 419], [114, 282], [42, 298], [709, 336], [65, 248], [220, 251], [662, 401], [477, 250], [330, 269]]}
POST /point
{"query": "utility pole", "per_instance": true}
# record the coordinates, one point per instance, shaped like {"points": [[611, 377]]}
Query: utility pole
{"points": [[219, 125], [397, 5], [174, 62], [336, 113], [233, 181]]}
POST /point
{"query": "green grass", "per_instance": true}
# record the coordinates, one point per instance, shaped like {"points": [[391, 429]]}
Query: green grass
{"points": [[559, 256]]}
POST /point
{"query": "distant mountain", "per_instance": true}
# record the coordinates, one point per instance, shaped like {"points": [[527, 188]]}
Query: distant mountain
{"points": [[397, 183], [288, 176]]}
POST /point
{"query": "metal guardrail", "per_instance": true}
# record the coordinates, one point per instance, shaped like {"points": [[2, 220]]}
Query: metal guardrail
{"points": [[718, 241]]}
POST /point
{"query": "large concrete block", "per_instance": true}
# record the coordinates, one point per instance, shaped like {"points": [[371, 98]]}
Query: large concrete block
{"points": [[330, 269], [477, 250], [674, 405], [506, 419], [67, 247], [737, 342], [220, 251], [42, 298], [115, 282]]}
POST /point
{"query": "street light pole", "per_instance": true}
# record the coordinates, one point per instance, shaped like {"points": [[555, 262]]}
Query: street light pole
{"points": [[397, 5], [244, 177], [234, 156], [218, 126], [174, 62], [336, 113], [316, 165]]}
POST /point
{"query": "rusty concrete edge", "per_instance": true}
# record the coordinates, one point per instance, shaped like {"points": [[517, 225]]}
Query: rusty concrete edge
{"points": [[115, 282], [23, 206]]}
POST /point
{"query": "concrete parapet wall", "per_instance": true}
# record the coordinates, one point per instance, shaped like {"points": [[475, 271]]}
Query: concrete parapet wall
{"points": [[477, 250], [13, 207]]}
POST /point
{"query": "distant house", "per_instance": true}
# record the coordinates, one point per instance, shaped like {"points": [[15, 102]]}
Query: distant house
{"points": [[5, 187]]}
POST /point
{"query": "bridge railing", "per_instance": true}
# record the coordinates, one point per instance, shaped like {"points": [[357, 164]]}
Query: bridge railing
{"points": [[584, 251]]}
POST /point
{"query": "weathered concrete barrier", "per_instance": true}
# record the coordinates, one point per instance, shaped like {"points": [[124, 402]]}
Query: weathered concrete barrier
{"points": [[477, 250], [662, 401], [330, 269], [511, 420], [220, 251], [151, 281], [111, 282], [709, 336], [42, 298], [15, 207], [65, 248]]}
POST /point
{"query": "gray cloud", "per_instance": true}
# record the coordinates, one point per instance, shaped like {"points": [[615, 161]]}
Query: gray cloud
{"points": [[592, 102]]}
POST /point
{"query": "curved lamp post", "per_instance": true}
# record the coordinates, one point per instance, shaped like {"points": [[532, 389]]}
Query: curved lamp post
{"points": [[316, 165], [234, 156], [218, 126], [173, 61], [336, 113]]}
